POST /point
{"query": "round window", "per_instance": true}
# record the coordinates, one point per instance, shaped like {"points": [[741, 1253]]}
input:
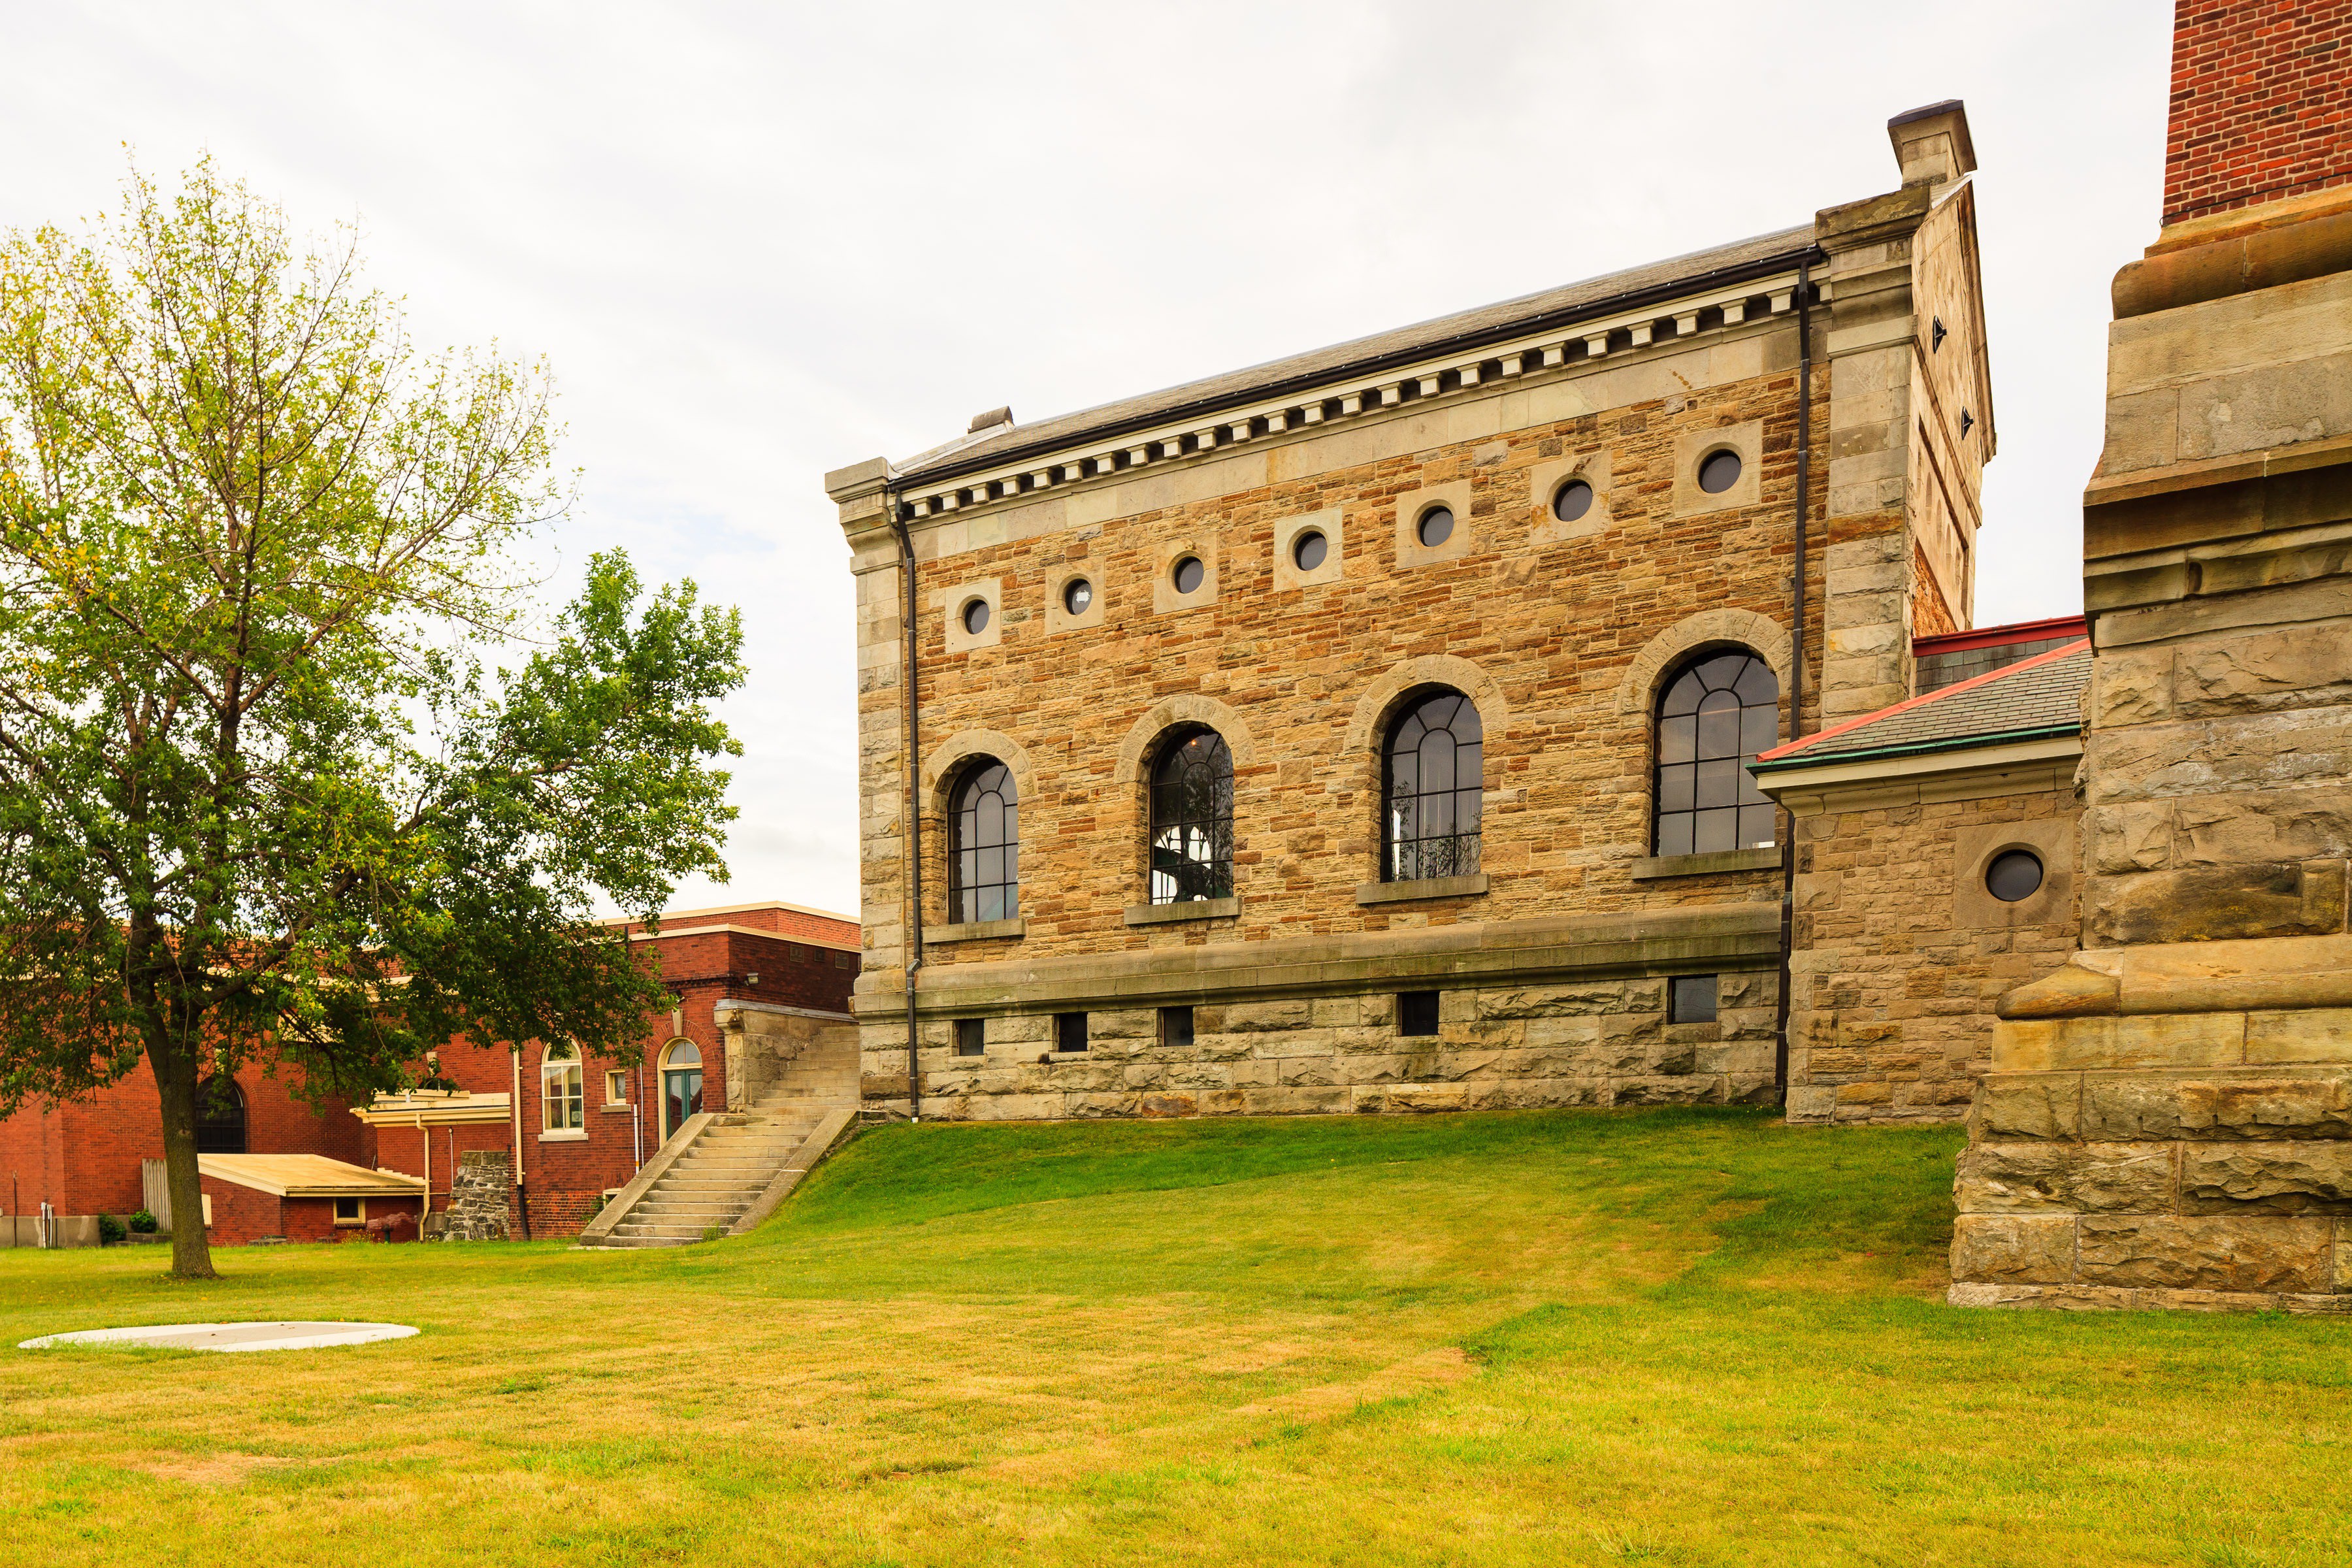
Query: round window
{"points": [[2014, 874], [1574, 500], [1310, 549], [1190, 575], [1719, 472], [975, 616], [1436, 526], [1079, 596]]}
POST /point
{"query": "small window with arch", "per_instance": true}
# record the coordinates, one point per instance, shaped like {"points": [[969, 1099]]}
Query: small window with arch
{"points": [[1716, 713], [1191, 818], [1433, 792], [562, 1094], [984, 844]]}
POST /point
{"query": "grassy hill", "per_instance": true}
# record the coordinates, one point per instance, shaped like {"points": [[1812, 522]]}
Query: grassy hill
{"points": [[1672, 1336]]}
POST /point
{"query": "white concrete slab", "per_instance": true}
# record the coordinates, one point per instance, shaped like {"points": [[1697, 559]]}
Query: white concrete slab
{"points": [[275, 1336]]}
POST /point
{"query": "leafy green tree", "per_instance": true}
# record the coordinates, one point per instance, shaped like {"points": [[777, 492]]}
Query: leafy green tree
{"points": [[259, 801]]}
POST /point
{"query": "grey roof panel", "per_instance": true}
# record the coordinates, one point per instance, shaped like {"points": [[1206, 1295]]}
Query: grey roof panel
{"points": [[1238, 385]]}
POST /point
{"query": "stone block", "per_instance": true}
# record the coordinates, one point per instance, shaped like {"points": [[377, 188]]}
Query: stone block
{"points": [[2297, 666], [1126, 1024], [1016, 1107], [1082, 1107], [2307, 1177], [1337, 1012], [1267, 1017], [2238, 1106], [1627, 1041], [2216, 903], [1167, 1105], [2011, 1107], [2237, 1252], [2013, 1249], [2065, 1178], [2042, 1297], [1692, 1090], [2140, 1040], [1810, 1103], [2301, 1035]]}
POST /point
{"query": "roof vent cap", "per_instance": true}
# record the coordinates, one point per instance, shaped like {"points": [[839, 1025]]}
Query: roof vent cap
{"points": [[990, 420]]}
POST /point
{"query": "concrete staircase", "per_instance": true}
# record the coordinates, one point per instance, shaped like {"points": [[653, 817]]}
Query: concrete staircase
{"points": [[728, 1170]]}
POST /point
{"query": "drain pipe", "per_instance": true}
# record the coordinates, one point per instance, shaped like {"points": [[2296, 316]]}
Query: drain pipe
{"points": [[914, 808], [1796, 667]]}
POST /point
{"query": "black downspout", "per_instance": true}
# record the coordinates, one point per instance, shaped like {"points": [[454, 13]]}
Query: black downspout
{"points": [[914, 812], [1796, 667]]}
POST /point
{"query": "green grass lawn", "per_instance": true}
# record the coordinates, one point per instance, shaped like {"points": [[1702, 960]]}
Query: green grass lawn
{"points": [[1671, 1336]]}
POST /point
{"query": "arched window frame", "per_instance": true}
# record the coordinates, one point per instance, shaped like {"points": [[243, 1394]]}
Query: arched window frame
{"points": [[562, 1090], [213, 1131], [1426, 832], [1698, 775], [1189, 807], [983, 854]]}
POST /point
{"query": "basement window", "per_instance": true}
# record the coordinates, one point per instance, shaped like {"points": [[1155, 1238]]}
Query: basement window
{"points": [[1417, 1013], [617, 1085], [1176, 1025], [1692, 1000], [1069, 1032], [971, 1036], [350, 1211]]}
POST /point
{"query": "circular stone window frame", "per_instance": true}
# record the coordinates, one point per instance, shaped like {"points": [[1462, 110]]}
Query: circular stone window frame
{"points": [[1287, 532], [1694, 448], [975, 606], [1165, 599], [953, 602], [1415, 505], [2049, 841], [1059, 615]]}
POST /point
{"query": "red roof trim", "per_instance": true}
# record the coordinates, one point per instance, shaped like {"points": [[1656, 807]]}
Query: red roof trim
{"points": [[1994, 636], [1936, 696]]}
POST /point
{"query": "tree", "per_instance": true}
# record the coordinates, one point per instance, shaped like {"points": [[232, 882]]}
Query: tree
{"points": [[259, 801]]}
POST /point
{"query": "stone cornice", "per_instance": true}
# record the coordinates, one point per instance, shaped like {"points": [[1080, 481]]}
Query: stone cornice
{"points": [[1409, 388]]}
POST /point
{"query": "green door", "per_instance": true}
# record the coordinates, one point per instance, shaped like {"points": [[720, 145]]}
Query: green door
{"points": [[681, 1098]]}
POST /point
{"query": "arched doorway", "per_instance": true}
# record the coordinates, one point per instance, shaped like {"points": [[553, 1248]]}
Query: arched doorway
{"points": [[681, 1085]]}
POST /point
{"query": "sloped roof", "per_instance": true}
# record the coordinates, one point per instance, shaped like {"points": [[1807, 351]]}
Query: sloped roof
{"points": [[1400, 343], [307, 1176], [2039, 698]]}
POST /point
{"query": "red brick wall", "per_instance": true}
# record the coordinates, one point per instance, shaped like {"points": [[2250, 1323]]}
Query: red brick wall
{"points": [[241, 1214], [83, 1157], [2262, 103]]}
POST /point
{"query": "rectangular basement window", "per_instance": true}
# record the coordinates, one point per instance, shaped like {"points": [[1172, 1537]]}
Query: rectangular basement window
{"points": [[1176, 1025], [617, 1085], [971, 1036], [348, 1211], [1693, 1000], [1069, 1031], [1416, 1012]]}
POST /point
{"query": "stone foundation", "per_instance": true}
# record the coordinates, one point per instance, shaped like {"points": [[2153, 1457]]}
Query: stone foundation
{"points": [[1598, 1042]]}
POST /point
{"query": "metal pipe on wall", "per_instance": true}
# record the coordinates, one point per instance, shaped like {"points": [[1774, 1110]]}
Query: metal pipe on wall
{"points": [[914, 809], [1796, 667]]}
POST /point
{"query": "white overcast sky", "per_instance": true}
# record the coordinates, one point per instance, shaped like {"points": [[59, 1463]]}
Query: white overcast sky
{"points": [[760, 241]]}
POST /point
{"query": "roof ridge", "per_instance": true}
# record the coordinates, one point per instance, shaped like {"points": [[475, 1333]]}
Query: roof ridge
{"points": [[1972, 683]]}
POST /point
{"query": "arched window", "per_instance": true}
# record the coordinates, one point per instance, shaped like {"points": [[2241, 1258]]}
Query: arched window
{"points": [[564, 1096], [1192, 819], [984, 845], [220, 1117], [1432, 783], [1721, 710]]}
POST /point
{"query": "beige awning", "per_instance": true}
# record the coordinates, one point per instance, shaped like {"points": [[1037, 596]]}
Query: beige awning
{"points": [[433, 1108], [308, 1176]]}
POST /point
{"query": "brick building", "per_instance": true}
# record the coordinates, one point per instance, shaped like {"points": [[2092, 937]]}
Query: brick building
{"points": [[581, 1129], [1365, 730]]}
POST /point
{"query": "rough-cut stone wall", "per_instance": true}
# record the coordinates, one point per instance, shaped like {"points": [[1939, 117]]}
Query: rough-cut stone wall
{"points": [[1606, 1042], [1900, 955], [2164, 1122], [477, 1199]]}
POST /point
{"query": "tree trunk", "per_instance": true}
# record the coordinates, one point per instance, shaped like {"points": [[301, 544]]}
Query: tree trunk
{"points": [[175, 1084]]}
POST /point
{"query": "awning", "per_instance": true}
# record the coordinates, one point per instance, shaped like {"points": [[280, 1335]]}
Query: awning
{"points": [[433, 1108], [308, 1176]]}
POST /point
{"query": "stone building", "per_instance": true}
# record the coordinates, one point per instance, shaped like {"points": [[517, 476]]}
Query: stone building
{"points": [[2167, 1120], [1365, 731]]}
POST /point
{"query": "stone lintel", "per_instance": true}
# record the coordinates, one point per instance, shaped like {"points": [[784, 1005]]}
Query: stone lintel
{"points": [[972, 931], [1190, 909]]}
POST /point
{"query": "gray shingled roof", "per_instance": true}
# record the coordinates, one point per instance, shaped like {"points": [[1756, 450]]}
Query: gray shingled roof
{"points": [[1238, 385], [2040, 697]]}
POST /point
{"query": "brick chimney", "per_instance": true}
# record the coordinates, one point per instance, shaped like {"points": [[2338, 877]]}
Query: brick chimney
{"points": [[2262, 103]]}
